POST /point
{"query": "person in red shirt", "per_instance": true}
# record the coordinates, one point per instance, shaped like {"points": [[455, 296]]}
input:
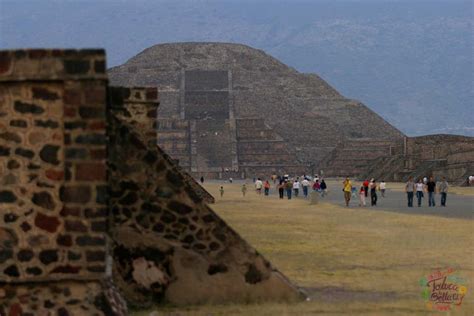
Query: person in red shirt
{"points": [[266, 187], [366, 187], [362, 196], [317, 186]]}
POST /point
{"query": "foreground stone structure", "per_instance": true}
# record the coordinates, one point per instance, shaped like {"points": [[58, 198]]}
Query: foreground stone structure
{"points": [[228, 110], [168, 244], [53, 195], [86, 194]]}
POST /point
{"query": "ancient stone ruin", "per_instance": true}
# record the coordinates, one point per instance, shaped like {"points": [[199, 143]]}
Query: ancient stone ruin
{"points": [[451, 156], [265, 117], [228, 110], [168, 245], [88, 200], [53, 194]]}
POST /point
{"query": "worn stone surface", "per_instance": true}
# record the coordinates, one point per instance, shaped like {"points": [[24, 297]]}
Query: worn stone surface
{"points": [[137, 105], [63, 298], [45, 193], [41, 182], [169, 246], [450, 156], [69, 170]]}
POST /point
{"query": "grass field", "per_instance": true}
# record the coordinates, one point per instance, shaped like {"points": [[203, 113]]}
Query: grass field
{"points": [[350, 261]]}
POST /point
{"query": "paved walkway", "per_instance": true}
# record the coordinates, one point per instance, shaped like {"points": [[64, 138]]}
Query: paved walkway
{"points": [[457, 206]]}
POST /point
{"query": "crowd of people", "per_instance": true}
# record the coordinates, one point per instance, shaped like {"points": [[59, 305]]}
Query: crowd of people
{"points": [[351, 191], [412, 189], [292, 187], [288, 187], [430, 187]]}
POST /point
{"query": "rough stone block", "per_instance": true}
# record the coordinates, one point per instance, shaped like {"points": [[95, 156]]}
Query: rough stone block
{"points": [[75, 194], [91, 172]]}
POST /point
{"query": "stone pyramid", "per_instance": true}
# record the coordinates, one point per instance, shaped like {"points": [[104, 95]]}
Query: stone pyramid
{"points": [[231, 110]]}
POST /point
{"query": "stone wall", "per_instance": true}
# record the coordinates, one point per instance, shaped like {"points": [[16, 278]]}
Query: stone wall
{"points": [[174, 139], [440, 155], [138, 107], [53, 195], [169, 246], [354, 156], [432, 147], [450, 156], [262, 152]]}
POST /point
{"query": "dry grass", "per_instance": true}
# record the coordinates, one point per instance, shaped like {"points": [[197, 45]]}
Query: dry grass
{"points": [[462, 190], [371, 261]]}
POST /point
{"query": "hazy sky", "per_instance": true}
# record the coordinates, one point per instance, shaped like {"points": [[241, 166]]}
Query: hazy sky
{"points": [[396, 56]]}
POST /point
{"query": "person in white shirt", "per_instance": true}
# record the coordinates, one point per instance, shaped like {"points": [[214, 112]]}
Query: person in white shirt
{"points": [[305, 183], [296, 187], [382, 187], [419, 187], [258, 186]]}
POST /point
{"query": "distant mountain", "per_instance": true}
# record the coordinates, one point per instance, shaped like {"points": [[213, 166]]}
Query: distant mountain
{"points": [[410, 61]]}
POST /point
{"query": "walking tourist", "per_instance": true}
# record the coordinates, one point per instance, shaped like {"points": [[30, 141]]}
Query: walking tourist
{"points": [[443, 190], [373, 192], [305, 185], [419, 191], [362, 196], [431, 188], [258, 186], [266, 187], [202, 180], [281, 189], [366, 187], [354, 192], [296, 187], [317, 186], [347, 188], [382, 186], [409, 189], [324, 188], [244, 189], [288, 187], [221, 190]]}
